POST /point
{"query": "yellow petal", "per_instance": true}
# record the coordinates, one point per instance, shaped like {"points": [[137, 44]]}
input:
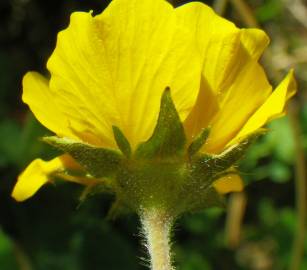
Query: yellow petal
{"points": [[112, 69], [272, 108], [229, 183], [254, 42], [205, 108], [248, 92], [228, 53], [225, 49], [38, 173], [218, 41], [36, 93], [34, 176]]}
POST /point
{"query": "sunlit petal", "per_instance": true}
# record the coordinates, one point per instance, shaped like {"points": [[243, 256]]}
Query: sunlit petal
{"points": [[247, 93], [112, 69], [273, 107]]}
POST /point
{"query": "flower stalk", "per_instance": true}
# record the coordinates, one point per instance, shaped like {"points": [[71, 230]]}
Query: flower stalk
{"points": [[156, 228]]}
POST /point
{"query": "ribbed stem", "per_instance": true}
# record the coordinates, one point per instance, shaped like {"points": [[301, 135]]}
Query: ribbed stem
{"points": [[156, 227]]}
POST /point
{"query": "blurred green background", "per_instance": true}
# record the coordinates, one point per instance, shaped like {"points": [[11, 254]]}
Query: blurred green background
{"points": [[53, 231]]}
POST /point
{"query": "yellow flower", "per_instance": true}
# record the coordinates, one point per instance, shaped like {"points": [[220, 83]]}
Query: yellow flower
{"points": [[112, 69]]}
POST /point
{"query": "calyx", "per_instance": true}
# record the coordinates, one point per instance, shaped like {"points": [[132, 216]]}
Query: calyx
{"points": [[164, 172]]}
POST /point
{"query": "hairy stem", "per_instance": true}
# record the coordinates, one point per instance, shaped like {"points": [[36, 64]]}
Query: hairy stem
{"points": [[156, 227]]}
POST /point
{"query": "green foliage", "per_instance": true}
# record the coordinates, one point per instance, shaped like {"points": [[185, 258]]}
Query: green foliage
{"points": [[279, 144], [270, 10], [194, 261], [7, 256], [19, 145]]}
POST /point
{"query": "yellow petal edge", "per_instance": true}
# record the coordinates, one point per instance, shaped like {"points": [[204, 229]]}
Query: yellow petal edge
{"points": [[229, 183], [272, 108]]}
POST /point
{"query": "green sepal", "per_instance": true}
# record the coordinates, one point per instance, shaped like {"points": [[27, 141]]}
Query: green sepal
{"points": [[168, 139], [99, 162], [205, 168], [105, 186], [198, 142], [222, 162], [208, 198], [117, 209], [121, 141], [87, 192], [196, 197]]}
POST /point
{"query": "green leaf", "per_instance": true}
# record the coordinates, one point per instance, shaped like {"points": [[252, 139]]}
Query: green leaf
{"points": [[121, 141], [199, 141], [99, 162], [168, 138]]}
